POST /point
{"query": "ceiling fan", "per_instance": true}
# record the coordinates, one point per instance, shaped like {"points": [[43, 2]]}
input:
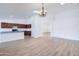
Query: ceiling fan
{"points": [[42, 12]]}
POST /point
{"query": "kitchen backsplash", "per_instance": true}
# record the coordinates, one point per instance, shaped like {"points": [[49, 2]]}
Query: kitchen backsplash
{"points": [[19, 29]]}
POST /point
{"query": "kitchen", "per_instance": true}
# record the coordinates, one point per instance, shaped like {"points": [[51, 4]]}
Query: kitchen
{"points": [[10, 31]]}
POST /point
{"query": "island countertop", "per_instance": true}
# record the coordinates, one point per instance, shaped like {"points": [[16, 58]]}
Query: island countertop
{"points": [[11, 36], [10, 30]]}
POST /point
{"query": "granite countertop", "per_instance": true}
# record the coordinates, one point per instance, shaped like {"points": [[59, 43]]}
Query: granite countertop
{"points": [[11, 31]]}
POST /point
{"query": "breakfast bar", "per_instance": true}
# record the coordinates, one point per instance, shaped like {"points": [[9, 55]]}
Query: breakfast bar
{"points": [[11, 36], [13, 31]]}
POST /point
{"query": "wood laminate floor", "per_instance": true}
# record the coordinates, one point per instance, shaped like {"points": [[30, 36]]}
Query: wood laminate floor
{"points": [[42, 46]]}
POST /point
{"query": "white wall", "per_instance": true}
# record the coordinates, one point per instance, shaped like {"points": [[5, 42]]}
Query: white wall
{"points": [[39, 25], [36, 26], [19, 21], [66, 25]]}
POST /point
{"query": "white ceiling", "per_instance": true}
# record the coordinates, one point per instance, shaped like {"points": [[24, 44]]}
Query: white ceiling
{"points": [[25, 10]]}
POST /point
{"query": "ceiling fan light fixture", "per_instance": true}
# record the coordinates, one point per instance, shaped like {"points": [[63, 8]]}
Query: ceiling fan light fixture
{"points": [[42, 12]]}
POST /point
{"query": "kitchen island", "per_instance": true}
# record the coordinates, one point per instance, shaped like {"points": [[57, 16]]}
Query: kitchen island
{"points": [[10, 31], [11, 36]]}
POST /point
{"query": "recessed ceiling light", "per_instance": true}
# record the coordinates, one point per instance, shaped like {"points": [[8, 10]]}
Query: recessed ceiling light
{"points": [[62, 3]]}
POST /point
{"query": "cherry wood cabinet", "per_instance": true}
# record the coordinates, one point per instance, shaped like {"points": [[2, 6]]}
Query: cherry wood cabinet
{"points": [[27, 33], [11, 25]]}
